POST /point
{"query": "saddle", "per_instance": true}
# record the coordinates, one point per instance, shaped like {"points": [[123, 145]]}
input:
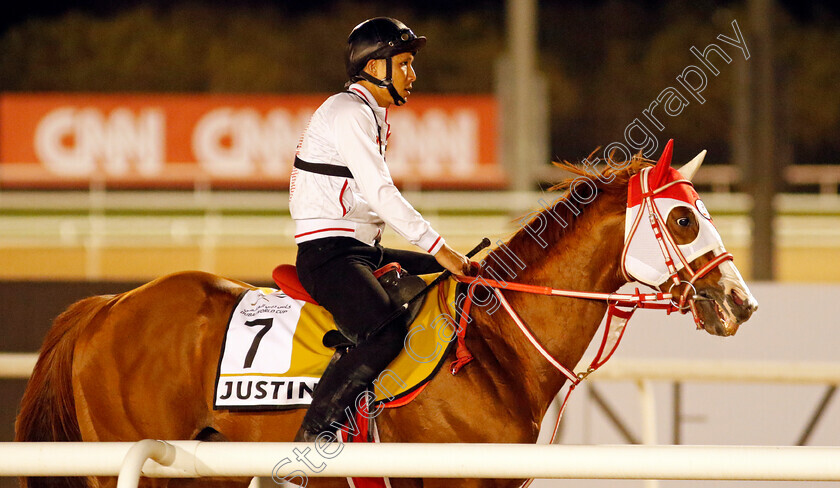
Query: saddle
{"points": [[400, 286]]}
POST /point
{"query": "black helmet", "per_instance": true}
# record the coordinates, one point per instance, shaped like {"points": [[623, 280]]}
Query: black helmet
{"points": [[379, 38]]}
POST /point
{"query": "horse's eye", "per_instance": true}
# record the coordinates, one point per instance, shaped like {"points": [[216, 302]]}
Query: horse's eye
{"points": [[684, 222]]}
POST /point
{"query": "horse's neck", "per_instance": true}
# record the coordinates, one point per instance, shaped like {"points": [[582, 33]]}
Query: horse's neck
{"points": [[586, 258]]}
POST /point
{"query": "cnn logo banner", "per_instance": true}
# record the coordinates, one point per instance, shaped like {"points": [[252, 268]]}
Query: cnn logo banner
{"points": [[166, 141]]}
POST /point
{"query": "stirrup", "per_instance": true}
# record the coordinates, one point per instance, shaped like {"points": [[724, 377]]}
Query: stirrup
{"points": [[334, 339]]}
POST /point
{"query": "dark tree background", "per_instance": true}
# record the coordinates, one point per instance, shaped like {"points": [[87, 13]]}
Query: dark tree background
{"points": [[605, 61]]}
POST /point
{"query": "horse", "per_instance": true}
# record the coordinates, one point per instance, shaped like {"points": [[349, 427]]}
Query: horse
{"points": [[142, 364]]}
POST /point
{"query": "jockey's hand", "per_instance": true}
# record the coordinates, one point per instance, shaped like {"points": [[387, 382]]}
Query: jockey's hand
{"points": [[452, 260]]}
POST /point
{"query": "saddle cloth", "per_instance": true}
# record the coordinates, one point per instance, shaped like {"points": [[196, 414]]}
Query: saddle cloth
{"points": [[272, 355]]}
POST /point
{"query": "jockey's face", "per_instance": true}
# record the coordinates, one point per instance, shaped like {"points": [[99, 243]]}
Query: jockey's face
{"points": [[402, 77], [403, 73]]}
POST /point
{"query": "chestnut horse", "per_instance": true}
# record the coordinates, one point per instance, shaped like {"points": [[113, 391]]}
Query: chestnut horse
{"points": [[142, 364]]}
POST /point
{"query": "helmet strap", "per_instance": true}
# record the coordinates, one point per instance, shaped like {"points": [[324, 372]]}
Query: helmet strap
{"points": [[385, 83]]}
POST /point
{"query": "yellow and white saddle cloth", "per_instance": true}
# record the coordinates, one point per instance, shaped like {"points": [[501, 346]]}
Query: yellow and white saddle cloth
{"points": [[272, 356]]}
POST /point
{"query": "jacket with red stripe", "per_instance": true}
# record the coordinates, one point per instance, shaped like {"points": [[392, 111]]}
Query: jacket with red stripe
{"points": [[345, 132]]}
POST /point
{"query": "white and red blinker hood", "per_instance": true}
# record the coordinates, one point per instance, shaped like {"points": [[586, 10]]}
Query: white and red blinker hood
{"points": [[653, 193]]}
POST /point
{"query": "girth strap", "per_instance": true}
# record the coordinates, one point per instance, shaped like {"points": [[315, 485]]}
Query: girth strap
{"points": [[323, 168]]}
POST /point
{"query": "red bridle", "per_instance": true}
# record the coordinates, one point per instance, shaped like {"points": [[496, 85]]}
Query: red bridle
{"points": [[620, 306], [663, 234]]}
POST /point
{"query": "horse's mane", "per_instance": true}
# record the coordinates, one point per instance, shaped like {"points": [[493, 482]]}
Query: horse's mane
{"points": [[618, 179], [609, 183]]}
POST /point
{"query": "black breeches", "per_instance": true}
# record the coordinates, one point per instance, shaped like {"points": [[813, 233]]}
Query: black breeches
{"points": [[338, 273]]}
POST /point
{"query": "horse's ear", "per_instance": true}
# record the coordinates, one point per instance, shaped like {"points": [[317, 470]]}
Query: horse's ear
{"points": [[690, 169], [657, 175]]}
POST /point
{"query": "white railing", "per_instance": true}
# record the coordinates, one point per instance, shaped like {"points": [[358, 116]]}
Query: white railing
{"points": [[190, 459], [193, 458], [723, 371], [641, 372], [644, 372], [431, 202], [724, 177], [121, 218], [19, 365]]}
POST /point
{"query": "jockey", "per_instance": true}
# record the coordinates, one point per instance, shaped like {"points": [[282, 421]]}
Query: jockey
{"points": [[341, 197]]}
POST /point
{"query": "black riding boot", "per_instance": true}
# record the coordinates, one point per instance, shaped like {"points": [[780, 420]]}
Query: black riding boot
{"points": [[345, 379], [334, 399]]}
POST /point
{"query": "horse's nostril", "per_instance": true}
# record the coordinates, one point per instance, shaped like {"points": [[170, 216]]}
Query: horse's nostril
{"points": [[737, 299]]}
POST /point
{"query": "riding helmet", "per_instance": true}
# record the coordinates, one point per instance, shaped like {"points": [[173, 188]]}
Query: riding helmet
{"points": [[378, 38]]}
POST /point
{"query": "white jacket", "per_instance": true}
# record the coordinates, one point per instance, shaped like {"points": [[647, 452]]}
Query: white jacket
{"points": [[344, 132]]}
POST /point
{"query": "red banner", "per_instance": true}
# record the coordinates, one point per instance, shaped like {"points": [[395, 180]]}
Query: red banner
{"points": [[166, 141]]}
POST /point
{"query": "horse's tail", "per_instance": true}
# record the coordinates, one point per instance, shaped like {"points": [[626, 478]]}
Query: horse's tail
{"points": [[48, 410]]}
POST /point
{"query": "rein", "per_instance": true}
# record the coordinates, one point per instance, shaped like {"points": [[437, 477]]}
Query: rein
{"points": [[621, 306], [615, 300], [617, 319]]}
